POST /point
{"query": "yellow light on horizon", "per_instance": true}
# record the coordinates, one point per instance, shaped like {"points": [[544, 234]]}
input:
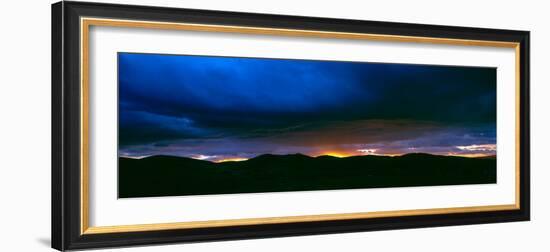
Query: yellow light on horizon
{"points": [[233, 159], [470, 155], [389, 154], [360, 152], [335, 154]]}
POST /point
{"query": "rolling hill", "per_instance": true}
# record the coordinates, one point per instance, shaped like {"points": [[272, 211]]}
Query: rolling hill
{"points": [[171, 176]]}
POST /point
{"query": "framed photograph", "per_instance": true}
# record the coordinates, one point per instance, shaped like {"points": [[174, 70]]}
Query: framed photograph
{"points": [[181, 125]]}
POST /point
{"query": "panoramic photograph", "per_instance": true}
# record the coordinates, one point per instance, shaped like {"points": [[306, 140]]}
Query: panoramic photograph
{"points": [[200, 125]]}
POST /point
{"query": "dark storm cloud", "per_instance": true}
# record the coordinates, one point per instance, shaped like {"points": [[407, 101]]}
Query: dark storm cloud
{"points": [[165, 99]]}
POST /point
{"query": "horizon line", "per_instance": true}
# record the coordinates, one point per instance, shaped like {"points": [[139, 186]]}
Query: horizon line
{"points": [[240, 159]]}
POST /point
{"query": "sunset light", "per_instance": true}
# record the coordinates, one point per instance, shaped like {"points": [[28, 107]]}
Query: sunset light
{"points": [[336, 154], [472, 155], [232, 159]]}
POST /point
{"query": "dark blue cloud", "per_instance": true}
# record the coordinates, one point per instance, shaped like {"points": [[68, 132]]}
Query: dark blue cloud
{"points": [[170, 98]]}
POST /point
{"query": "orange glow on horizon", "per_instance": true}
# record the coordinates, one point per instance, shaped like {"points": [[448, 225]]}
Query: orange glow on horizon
{"points": [[336, 154], [344, 154], [231, 159], [472, 155]]}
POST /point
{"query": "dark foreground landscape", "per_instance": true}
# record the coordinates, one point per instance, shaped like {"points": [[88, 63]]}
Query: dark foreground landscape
{"points": [[171, 176]]}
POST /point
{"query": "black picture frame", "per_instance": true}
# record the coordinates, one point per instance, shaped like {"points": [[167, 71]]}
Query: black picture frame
{"points": [[66, 155]]}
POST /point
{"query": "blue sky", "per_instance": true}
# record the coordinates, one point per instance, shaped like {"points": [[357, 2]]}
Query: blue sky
{"points": [[219, 108]]}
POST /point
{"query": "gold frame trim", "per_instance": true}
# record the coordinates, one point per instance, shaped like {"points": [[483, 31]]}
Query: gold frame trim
{"points": [[85, 24]]}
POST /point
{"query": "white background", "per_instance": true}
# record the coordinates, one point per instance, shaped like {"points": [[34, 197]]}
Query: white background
{"points": [[25, 132]]}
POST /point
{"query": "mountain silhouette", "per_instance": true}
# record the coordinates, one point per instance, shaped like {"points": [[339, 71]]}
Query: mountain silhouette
{"points": [[172, 176]]}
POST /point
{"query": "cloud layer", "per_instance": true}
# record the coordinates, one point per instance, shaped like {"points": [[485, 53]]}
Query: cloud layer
{"points": [[233, 107]]}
